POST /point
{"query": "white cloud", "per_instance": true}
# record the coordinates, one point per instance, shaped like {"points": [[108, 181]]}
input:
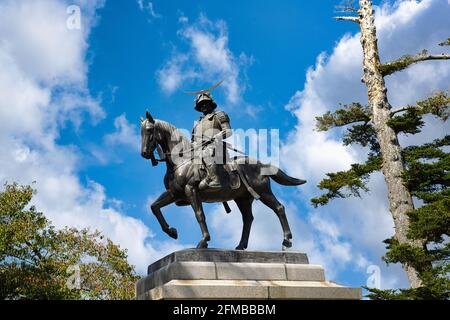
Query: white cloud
{"points": [[174, 73], [350, 231], [126, 134], [209, 59], [43, 87]]}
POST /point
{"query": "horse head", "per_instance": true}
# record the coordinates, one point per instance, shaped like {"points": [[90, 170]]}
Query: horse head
{"points": [[148, 137]]}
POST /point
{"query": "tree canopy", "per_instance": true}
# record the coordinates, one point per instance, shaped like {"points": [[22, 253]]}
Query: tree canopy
{"points": [[427, 177], [38, 261]]}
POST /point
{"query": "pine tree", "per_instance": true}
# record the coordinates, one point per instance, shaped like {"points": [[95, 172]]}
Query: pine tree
{"points": [[377, 126], [427, 176]]}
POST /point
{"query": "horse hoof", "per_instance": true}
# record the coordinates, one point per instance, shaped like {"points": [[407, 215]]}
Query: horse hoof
{"points": [[202, 244], [240, 247], [287, 243], [172, 232]]}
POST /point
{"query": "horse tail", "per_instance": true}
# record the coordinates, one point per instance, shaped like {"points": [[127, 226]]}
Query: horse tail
{"points": [[279, 176]]}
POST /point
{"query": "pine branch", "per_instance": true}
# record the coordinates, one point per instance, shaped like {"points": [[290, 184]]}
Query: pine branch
{"points": [[427, 151], [351, 113], [431, 222], [405, 253], [364, 135], [410, 121], [407, 60], [427, 169], [438, 105], [353, 181]]}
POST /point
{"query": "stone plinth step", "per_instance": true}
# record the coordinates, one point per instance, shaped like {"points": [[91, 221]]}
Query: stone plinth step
{"points": [[220, 255], [231, 274], [250, 289]]}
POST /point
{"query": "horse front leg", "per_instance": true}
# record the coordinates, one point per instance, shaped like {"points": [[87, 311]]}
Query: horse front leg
{"points": [[196, 203], [163, 200]]}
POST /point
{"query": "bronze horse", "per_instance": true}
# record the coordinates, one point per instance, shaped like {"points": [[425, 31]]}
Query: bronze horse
{"points": [[181, 187]]}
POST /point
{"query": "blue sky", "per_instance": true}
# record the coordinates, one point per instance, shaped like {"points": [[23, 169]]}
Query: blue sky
{"points": [[129, 45], [79, 95]]}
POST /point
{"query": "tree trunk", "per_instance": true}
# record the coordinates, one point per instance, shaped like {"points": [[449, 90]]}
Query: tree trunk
{"points": [[400, 200]]}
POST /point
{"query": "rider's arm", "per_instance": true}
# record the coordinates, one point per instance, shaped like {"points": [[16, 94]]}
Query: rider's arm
{"points": [[224, 121]]}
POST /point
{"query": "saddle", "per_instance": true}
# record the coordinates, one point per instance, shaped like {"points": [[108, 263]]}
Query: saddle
{"points": [[230, 179], [235, 175]]}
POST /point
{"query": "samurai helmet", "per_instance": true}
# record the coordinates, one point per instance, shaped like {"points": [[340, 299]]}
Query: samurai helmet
{"points": [[205, 96]]}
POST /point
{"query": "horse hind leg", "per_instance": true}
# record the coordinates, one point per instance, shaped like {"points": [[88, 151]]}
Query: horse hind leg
{"points": [[269, 199], [245, 206], [163, 200]]}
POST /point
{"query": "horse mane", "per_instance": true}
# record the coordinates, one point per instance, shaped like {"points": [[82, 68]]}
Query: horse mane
{"points": [[172, 133]]}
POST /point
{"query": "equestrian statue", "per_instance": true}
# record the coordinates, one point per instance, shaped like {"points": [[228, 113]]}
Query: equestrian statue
{"points": [[201, 170]]}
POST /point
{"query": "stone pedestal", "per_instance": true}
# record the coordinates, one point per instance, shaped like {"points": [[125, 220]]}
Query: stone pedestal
{"points": [[232, 274]]}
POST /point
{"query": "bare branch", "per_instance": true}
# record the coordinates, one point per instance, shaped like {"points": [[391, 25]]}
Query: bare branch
{"points": [[401, 109], [405, 61], [348, 18]]}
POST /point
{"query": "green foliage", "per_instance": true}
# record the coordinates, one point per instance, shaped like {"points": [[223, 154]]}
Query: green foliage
{"points": [[354, 113], [349, 183], [343, 184], [399, 64], [365, 136], [410, 122], [427, 175], [435, 288], [389, 294], [437, 105], [35, 257], [432, 221], [427, 168], [433, 267], [351, 113]]}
